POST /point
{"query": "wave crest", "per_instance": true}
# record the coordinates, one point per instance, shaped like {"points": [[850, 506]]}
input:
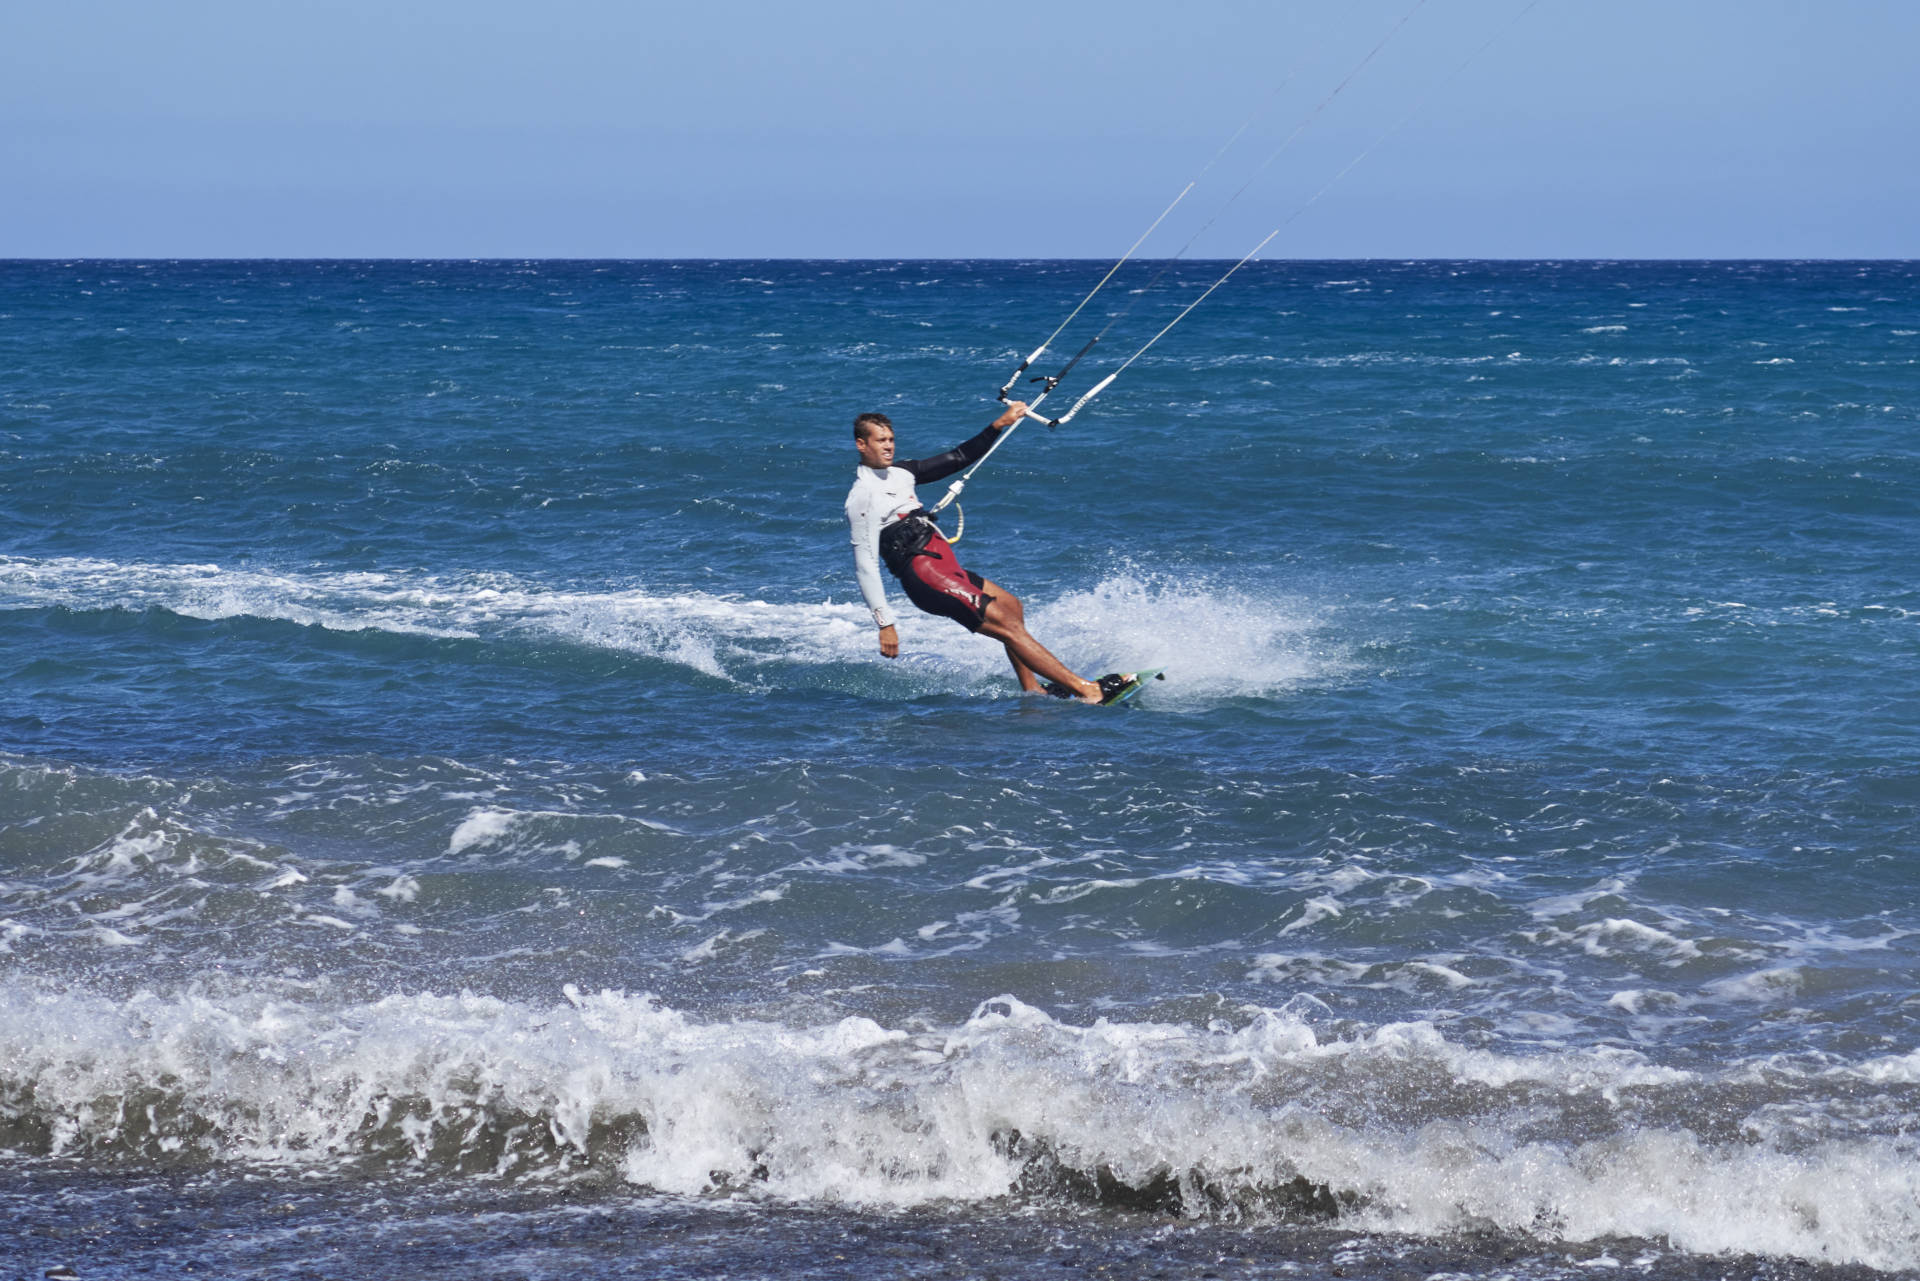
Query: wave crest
{"points": [[1225, 643], [1394, 1129]]}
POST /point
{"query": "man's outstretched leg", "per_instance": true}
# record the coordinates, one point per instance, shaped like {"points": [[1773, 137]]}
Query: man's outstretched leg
{"points": [[1005, 619]]}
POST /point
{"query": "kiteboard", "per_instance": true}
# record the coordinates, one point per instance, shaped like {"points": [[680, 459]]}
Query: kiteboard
{"points": [[1134, 686], [1119, 695]]}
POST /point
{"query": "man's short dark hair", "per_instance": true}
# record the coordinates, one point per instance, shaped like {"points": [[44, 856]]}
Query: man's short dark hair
{"points": [[863, 425]]}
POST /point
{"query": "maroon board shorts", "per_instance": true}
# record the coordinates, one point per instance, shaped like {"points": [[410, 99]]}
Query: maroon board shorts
{"points": [[936, 582]]}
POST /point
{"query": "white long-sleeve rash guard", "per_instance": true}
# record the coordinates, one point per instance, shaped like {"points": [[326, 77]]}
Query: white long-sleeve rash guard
{"points": [[879, 498]]}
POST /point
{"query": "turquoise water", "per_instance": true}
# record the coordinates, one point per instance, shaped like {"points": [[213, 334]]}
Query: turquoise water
{"points": [[443, 754]]}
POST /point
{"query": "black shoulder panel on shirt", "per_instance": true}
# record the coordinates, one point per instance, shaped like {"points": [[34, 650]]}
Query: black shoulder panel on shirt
{"points": [[940, 466]]}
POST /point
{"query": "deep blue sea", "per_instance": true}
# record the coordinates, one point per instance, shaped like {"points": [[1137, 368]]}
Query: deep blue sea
{"points": [[455, 819]]}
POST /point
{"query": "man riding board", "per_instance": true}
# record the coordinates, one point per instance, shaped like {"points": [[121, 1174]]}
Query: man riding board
{"points": [[889, 525]]}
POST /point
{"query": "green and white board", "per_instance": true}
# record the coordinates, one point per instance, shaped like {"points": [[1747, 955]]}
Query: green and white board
{"points": [[1134, 686]]}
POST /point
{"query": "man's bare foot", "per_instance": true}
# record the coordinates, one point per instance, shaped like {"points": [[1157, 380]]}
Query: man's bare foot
{"points": [[1079, 690]]}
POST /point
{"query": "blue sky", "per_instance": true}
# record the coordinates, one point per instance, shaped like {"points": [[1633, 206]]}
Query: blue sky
{"points": [[587, 128]]}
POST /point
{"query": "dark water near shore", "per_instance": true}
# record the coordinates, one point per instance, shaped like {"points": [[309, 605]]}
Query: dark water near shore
{"points": [[453, 810]]}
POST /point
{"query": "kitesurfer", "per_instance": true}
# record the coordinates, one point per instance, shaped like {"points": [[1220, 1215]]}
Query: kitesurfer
{"points": [[890, 525]]}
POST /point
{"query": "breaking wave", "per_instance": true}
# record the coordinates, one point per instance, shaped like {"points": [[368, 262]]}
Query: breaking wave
{"points": [[1227, 644], [1276, 1117]]}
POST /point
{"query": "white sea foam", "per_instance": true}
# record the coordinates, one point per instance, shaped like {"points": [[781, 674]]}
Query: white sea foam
{"points": [[1778, 984], [1312, 912], [481, 827], [852, 1112], [1229, 644], [404, 889], [1223, 643], [1615, 935]]}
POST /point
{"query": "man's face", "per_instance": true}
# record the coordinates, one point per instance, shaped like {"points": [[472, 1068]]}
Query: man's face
{"points": [[876, 447]]}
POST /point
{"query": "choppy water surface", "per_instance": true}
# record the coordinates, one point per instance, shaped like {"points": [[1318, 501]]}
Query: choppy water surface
{"points": [[450, 796]]}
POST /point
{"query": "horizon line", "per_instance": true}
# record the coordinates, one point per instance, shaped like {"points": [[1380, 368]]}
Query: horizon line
{"points": [[998, 258]]}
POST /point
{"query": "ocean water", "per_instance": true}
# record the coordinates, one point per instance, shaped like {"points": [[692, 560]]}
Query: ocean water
{"points": [[455, 819]]}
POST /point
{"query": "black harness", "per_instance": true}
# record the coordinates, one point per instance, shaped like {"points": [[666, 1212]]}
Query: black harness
{"points": [[906, 538]]}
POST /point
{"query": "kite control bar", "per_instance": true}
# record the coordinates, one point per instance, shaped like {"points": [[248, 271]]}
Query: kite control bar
{"points": [[1051, 381], [1081, 403]]}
